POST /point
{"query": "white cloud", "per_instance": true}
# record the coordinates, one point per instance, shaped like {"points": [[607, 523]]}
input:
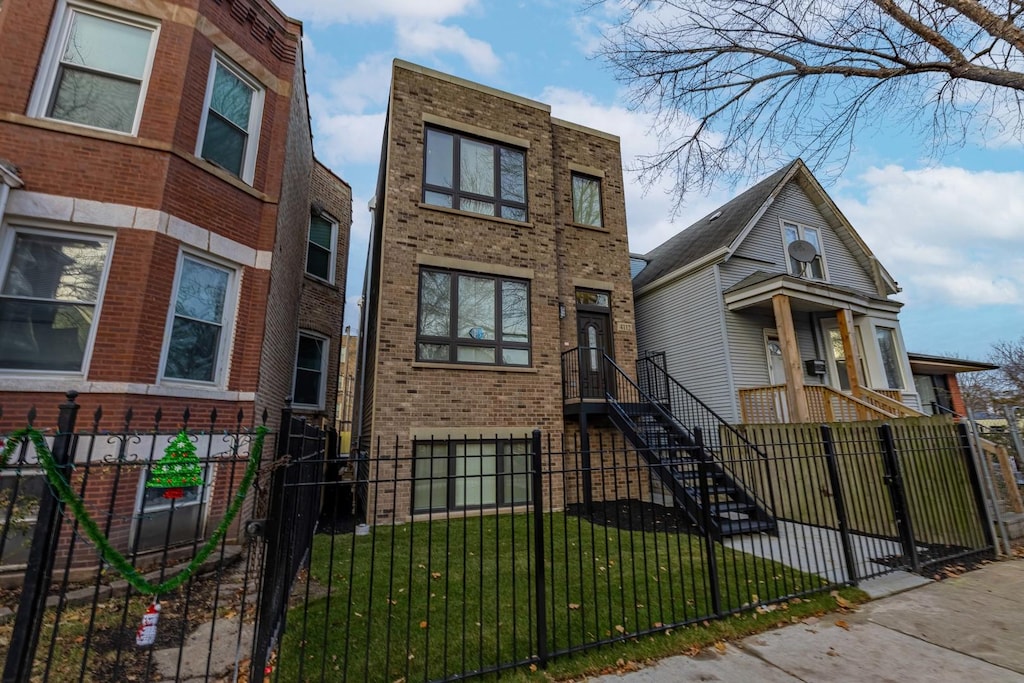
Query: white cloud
{"points": [[945, 233], [426, 39], [345, 139], [352, 11], [648, 209], [361, 88]]}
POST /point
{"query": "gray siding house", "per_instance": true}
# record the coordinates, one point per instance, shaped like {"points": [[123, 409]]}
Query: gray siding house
{"points": [[773, 309]]}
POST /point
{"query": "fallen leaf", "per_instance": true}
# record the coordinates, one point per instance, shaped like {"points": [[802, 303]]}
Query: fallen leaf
{"points": [[435, 575], [620, 628], [533, 668], [720, 646], [842, 624], [423, 624], [573, 605]]}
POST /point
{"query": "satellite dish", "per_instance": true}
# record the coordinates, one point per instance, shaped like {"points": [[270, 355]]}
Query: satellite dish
{"points": [[802, 251]]}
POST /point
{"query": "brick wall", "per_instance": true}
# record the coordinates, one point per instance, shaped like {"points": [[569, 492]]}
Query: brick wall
{"points": [[420, 396]]}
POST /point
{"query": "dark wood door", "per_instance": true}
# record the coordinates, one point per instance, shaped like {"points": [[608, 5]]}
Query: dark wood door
{"points": [[595, 340]]}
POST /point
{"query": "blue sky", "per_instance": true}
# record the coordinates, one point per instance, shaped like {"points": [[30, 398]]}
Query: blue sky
{"points": [[950, 230]]}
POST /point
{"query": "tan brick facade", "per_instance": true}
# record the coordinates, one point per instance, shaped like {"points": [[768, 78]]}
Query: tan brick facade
{"points": [[404, 397]]}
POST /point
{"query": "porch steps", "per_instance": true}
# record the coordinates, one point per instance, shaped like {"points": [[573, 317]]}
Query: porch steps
{"points": [[680, 463]]}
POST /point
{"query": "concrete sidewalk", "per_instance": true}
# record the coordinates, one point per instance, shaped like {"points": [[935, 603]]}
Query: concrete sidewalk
{"points": [[969, 628]]}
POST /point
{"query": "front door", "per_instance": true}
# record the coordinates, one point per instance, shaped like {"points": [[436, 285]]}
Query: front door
{"points": [[594, 341]]}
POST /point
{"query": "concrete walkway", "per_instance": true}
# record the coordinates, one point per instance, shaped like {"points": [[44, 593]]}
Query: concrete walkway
{"points": [[969, 628]]}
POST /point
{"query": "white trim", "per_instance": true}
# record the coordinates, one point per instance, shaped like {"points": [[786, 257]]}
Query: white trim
{"points": [[58, 208], [248, 170], [53, 384], [324, 368], [227, 322], [691, 267], [801, 229], [8, 232], [334, 249], [43, 90]]}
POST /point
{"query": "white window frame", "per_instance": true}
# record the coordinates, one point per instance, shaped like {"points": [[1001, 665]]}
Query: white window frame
{"points": [[324, 367], [248, 170], [8, 234], [801, 229], [220, 374], [43, 91], [334, 247], [898, 349]]}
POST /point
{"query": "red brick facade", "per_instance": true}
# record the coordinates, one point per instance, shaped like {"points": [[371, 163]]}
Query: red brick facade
{"points": [[153, 198]]}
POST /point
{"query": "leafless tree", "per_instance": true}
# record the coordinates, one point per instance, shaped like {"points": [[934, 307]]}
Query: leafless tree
{"points": [[739, 86], [986, 391]]}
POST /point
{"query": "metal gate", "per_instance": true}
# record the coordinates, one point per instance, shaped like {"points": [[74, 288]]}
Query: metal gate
{"points": [[296, 495]]}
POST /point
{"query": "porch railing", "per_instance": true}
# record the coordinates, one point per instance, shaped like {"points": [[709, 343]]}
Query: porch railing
{"points": [[759, 405]]}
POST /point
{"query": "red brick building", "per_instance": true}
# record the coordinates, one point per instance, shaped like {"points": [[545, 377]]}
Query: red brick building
{"points": [[167, 238]]}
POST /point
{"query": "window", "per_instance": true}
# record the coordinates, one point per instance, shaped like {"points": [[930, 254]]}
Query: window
{"points": [[196, 349], [815, 269], [50, 287], [453, 475], [97, 68], [466, 318], [310, 370], [159, 524], [586, 200], [21, 489], [888, 349], [474, 175], [320, 249], [231, 119]]}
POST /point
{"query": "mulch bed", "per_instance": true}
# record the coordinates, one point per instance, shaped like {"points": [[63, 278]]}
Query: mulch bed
{"points": [[634, 515]]}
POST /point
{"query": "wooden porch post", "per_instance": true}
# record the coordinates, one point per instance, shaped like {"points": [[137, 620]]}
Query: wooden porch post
{"points": [[796, 397], [844, 316]]}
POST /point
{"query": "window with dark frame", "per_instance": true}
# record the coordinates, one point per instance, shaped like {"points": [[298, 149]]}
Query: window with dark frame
{"points": [[586, 200], [470, 174], [473, 318], [320, 247], [463, 474], [310, 357]]}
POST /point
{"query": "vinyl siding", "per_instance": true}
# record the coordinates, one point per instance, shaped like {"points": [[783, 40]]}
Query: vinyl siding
{"points": [[683, 319], [764, 244]]}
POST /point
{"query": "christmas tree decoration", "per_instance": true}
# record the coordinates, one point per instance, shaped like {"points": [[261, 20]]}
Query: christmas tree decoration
{"points": [[146, 635], [178, 469]]}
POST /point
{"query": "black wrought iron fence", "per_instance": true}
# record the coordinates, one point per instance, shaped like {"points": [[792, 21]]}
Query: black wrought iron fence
{"points": [[90, 549]]}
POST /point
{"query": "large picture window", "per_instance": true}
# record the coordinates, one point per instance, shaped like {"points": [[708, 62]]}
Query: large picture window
{"points": [[471, 318], [97, 70], [454, 475], [231, 119], [474, 175], [50, 286], [199, 325]]}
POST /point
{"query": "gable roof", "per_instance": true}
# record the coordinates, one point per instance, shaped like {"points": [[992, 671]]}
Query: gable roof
{"points": [[718, 234], [715, 231]]}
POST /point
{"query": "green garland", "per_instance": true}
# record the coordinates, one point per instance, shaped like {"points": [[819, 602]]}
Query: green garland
{"points": [[107, 552]]}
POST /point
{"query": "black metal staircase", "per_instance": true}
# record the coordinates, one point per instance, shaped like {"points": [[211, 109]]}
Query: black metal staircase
{"points": [[680, 440]]}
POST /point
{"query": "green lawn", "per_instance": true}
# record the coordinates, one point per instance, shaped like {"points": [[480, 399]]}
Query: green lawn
{"points": [[421, 601]]}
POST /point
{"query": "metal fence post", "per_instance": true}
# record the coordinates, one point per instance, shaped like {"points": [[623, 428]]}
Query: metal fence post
{"points": [[538, 550], [268, 620], [42, 554], [898, 496], [703, 472], [840, 503], [972, 474]]}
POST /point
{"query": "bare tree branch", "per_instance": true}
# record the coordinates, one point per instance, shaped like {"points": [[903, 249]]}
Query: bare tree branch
{"points": [[738, 86]]}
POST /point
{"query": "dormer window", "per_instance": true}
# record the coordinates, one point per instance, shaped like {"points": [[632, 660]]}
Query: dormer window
{"points": [[813, 269]]}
